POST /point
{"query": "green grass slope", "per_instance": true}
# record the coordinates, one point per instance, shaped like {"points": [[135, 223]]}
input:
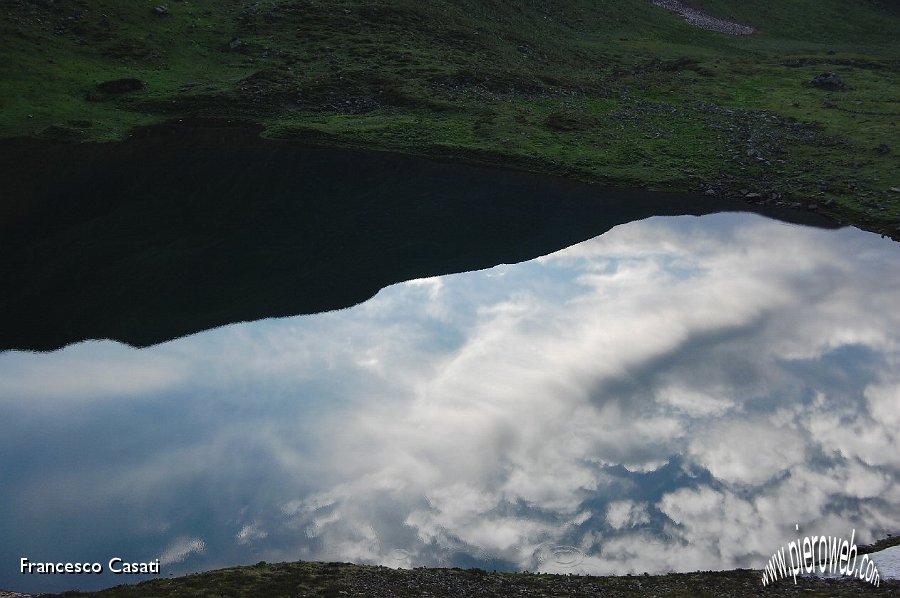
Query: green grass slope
{"points": [[615, 91]]}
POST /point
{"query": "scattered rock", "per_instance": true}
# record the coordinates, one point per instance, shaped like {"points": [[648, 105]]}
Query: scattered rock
{"points": [[351, 105], [710, 192], [120, 85], [235, 43], [703, 20], [753, 195], [162, 10], [830, 81], [895, 189], [883, 149]]}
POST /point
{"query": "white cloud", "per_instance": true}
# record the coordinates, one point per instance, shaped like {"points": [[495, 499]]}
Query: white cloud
{"points": [[662, 367], [746, 451], [626, 513], [695, 403], [85, 373], [251, 532], [180, 549]]}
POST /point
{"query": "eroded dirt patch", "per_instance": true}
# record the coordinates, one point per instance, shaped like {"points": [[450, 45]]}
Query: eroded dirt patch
{"points": [[698, 18]]}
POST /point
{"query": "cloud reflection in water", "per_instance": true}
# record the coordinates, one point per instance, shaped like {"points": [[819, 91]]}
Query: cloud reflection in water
{"points": [[673, 395]]}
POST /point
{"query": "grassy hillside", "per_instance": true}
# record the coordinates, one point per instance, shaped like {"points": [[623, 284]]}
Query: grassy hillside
{"points": [[616, 91]]}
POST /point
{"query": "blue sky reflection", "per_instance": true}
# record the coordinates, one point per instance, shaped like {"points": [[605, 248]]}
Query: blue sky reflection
{"points": [[673, 395]]}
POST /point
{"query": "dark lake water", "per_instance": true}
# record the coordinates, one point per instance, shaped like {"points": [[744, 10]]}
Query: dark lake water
{"points": [[183, 229], [673, 395]]}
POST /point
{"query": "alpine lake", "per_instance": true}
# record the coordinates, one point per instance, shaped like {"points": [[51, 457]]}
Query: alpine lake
{"points": [[218, 350]]}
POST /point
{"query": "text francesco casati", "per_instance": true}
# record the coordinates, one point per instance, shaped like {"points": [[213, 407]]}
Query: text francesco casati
{"points": [[115, 565]]}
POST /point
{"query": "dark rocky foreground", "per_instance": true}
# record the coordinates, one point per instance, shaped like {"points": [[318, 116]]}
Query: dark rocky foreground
{"points": [[341, 579]]}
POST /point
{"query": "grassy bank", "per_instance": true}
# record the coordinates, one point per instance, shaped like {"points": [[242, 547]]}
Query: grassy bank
{"points": [[616, 91], [341, 579]]}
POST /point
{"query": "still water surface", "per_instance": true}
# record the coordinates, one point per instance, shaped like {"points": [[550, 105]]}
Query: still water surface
{"points": [[675, 394]]}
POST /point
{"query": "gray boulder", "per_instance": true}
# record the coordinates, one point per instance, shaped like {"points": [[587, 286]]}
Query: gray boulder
{"points": [[830, 81]]}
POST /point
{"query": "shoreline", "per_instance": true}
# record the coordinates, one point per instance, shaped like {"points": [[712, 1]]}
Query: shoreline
{"points": [[780, 207], [273, 214], [621, 95]]}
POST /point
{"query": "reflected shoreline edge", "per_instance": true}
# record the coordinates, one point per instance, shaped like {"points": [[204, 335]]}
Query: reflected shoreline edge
{"points": [[187, 227]]}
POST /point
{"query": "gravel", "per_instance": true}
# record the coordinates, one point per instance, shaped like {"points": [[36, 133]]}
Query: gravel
{"points": [[700, 19], [888, 562]]}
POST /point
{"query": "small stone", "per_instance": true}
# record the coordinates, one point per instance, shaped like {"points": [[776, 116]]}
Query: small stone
{"points": [[235, 43], [162, 10], [883, 149], [895, 189], [752, 195], [710, 192], [831, 81]]}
